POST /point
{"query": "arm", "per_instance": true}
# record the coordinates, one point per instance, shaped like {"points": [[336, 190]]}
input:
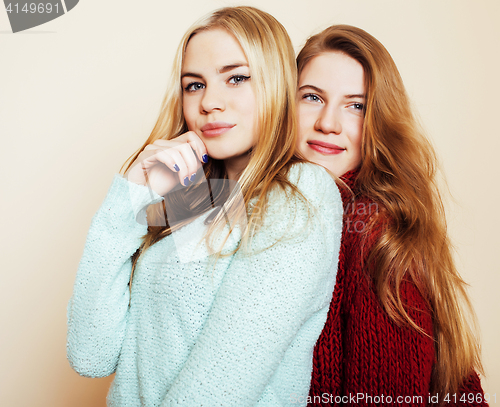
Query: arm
{"points": [[97, 311], [264, 299]]}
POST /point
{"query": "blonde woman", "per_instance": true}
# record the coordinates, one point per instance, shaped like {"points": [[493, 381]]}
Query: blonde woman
{"points": [[212, 303], [397, 329]]}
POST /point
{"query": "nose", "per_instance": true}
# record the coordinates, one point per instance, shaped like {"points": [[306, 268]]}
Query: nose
{"points": [[212, 99], [329, 122]]}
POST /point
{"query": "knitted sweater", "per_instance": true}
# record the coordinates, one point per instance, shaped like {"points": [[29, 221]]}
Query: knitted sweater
{"points": [[240, 333], [362, 357]]}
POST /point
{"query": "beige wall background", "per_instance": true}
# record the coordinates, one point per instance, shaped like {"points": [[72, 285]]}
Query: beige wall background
{"points": [[79, 94]]}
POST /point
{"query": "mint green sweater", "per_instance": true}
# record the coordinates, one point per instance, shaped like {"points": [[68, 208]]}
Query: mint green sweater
{"points": [[240, 334]]}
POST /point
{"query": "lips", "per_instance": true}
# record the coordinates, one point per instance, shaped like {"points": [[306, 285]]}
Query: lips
{"points": [[325, 148], [215, 129]]}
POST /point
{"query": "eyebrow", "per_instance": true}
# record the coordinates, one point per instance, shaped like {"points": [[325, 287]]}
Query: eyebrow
{"points": [[360, 96], [227, 68], [224, 69], [314, 88], [320, 91]]}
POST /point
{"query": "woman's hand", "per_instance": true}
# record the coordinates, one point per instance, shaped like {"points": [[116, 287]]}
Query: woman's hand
{"points": [[167, 163]]}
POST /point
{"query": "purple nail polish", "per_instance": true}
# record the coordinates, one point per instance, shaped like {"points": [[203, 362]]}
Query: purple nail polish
{"points": [[192, 177], [176, 168], [186, 181], [204, 157]]}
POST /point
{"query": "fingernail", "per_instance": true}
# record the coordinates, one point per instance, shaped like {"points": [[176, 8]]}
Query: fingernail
{"points": [[176, 168], [204, 157], [186, 181], [192, 178]]}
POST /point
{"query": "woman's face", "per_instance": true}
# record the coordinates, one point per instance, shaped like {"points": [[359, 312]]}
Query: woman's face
{"points": [[218, 100], [331, 99]]}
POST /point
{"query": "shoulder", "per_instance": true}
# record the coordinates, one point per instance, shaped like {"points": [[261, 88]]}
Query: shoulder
{"points": [[310, 204], [365, 220], [308, 175], [312, 195], [315, 184], [310, 187]]}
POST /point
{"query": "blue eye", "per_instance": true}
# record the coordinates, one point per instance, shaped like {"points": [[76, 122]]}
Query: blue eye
{"points": [[194, 86], [238, 79], [311, 97]]}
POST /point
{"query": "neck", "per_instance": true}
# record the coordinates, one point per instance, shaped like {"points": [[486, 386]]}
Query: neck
{"points": [[236, 165]]}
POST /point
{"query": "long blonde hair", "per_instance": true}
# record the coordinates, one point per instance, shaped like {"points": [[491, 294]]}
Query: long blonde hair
{"points": [[398, 169], [271, 59]]}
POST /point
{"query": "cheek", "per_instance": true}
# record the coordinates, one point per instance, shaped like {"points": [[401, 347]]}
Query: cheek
{"points": [[302, 133], [356, 139], [353, 127], [246, 107], [187, 110], [302, 121], [359, 134]]}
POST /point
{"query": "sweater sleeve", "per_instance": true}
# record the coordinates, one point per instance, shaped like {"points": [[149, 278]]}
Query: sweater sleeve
{"points": [[266, 296], [98, 308]]}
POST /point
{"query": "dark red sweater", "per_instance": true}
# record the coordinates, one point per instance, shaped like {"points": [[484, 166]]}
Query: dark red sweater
{"points": [[362, 357]]}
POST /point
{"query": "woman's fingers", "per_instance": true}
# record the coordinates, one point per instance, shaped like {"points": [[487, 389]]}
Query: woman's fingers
{"points": [[190, 138], [174, 160], [182, 156], [180, 159], [190, 160], [197, 145]]}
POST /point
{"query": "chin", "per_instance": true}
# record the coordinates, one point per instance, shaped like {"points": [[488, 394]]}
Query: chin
{"points": [[217, 152]]}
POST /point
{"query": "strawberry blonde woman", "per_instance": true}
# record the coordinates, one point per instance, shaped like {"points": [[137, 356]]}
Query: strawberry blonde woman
{"points": [[212, 303], [397, 329]]}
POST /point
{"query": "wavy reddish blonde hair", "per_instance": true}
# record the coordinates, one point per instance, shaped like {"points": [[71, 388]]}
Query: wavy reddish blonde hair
{"points": [[398, 170]]}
